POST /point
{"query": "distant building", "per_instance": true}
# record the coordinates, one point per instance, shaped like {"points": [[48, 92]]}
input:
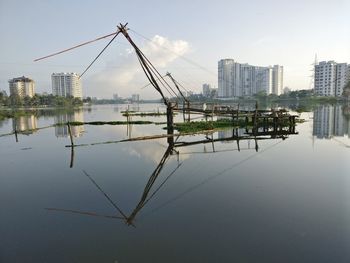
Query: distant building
{"points": [[115, 96], [22, 87], [330, 78], [277, 79], [66, 84], [226, 78], [206, 90], [236, 79], [286, 90], [135, 97]]}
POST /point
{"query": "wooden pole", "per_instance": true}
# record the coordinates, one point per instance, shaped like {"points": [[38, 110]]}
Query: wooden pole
{"points": [[15, 126], [71, 157], [170, 123], [70, 134], [255, 117]]}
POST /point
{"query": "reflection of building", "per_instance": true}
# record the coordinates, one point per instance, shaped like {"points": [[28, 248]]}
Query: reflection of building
{"points": [[25, 124], [66, 84], [329, 121], [228, 133], [62, 131], [237, 79], [22, 87], [330, 78]]}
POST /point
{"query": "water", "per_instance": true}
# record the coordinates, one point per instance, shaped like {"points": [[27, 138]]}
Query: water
{"points": [[286, 202]]}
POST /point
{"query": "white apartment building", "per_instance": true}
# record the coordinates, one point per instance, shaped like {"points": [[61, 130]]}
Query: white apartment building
{"points": [[277, 80], [22, 87], [66, 84], [330, 78], [226, 76], [236, 79]]}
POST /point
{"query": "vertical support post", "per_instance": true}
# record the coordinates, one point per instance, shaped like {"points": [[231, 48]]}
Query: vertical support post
{"points": [[256, 118], [212, 113], [72, 145], [184, 110], [15, 130], [170, 123], [71, 157], [70, 134], [275, 119], [188, 111]]}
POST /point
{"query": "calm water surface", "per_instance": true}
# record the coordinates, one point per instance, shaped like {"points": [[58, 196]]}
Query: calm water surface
{"points": [[286, 202]]}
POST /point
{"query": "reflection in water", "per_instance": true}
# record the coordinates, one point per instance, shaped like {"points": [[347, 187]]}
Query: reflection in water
{"points": [[330, 121], [230, 132], [25, 124], [62, 131], [173, 146]]}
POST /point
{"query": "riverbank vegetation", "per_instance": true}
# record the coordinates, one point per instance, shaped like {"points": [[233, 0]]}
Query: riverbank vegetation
{"points": [[39, 101]]}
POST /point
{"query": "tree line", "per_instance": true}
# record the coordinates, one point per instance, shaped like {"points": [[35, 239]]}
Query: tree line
{"points": [[40, 100]]}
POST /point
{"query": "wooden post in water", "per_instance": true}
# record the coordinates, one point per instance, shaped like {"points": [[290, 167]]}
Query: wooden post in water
{"points": [[212, 113], [170, 123], [15, 130], [188, 111], [71, 157], [184, 110], [256, 118], [70, 134], [72, 145]]}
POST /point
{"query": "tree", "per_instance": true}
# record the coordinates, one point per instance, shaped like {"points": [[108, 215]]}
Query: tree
{"points": [[15, 100], [346, 90]]}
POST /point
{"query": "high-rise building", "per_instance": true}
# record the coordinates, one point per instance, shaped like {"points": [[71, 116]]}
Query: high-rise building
{"points": [[66, 84], [22, 87], [206, 89], [135, 97], [236, 79], [226, 78], [277, 79], [330, 78]]}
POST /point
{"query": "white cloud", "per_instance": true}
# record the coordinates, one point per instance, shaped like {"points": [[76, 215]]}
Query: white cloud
{"points": [[126, 79]]}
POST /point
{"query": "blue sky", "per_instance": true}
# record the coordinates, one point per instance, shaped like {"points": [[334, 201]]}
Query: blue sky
{"points": [[262, 33]]}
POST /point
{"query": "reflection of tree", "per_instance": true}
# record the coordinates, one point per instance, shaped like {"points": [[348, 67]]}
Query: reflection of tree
{"points": [[346, 110], [346, 90]]}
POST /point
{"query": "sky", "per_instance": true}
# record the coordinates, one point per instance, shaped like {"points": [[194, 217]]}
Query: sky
{"points": [[185, 38]]}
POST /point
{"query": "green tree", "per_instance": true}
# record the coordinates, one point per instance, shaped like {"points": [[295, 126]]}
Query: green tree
{"points": [[346, 90], [15, 100]]}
